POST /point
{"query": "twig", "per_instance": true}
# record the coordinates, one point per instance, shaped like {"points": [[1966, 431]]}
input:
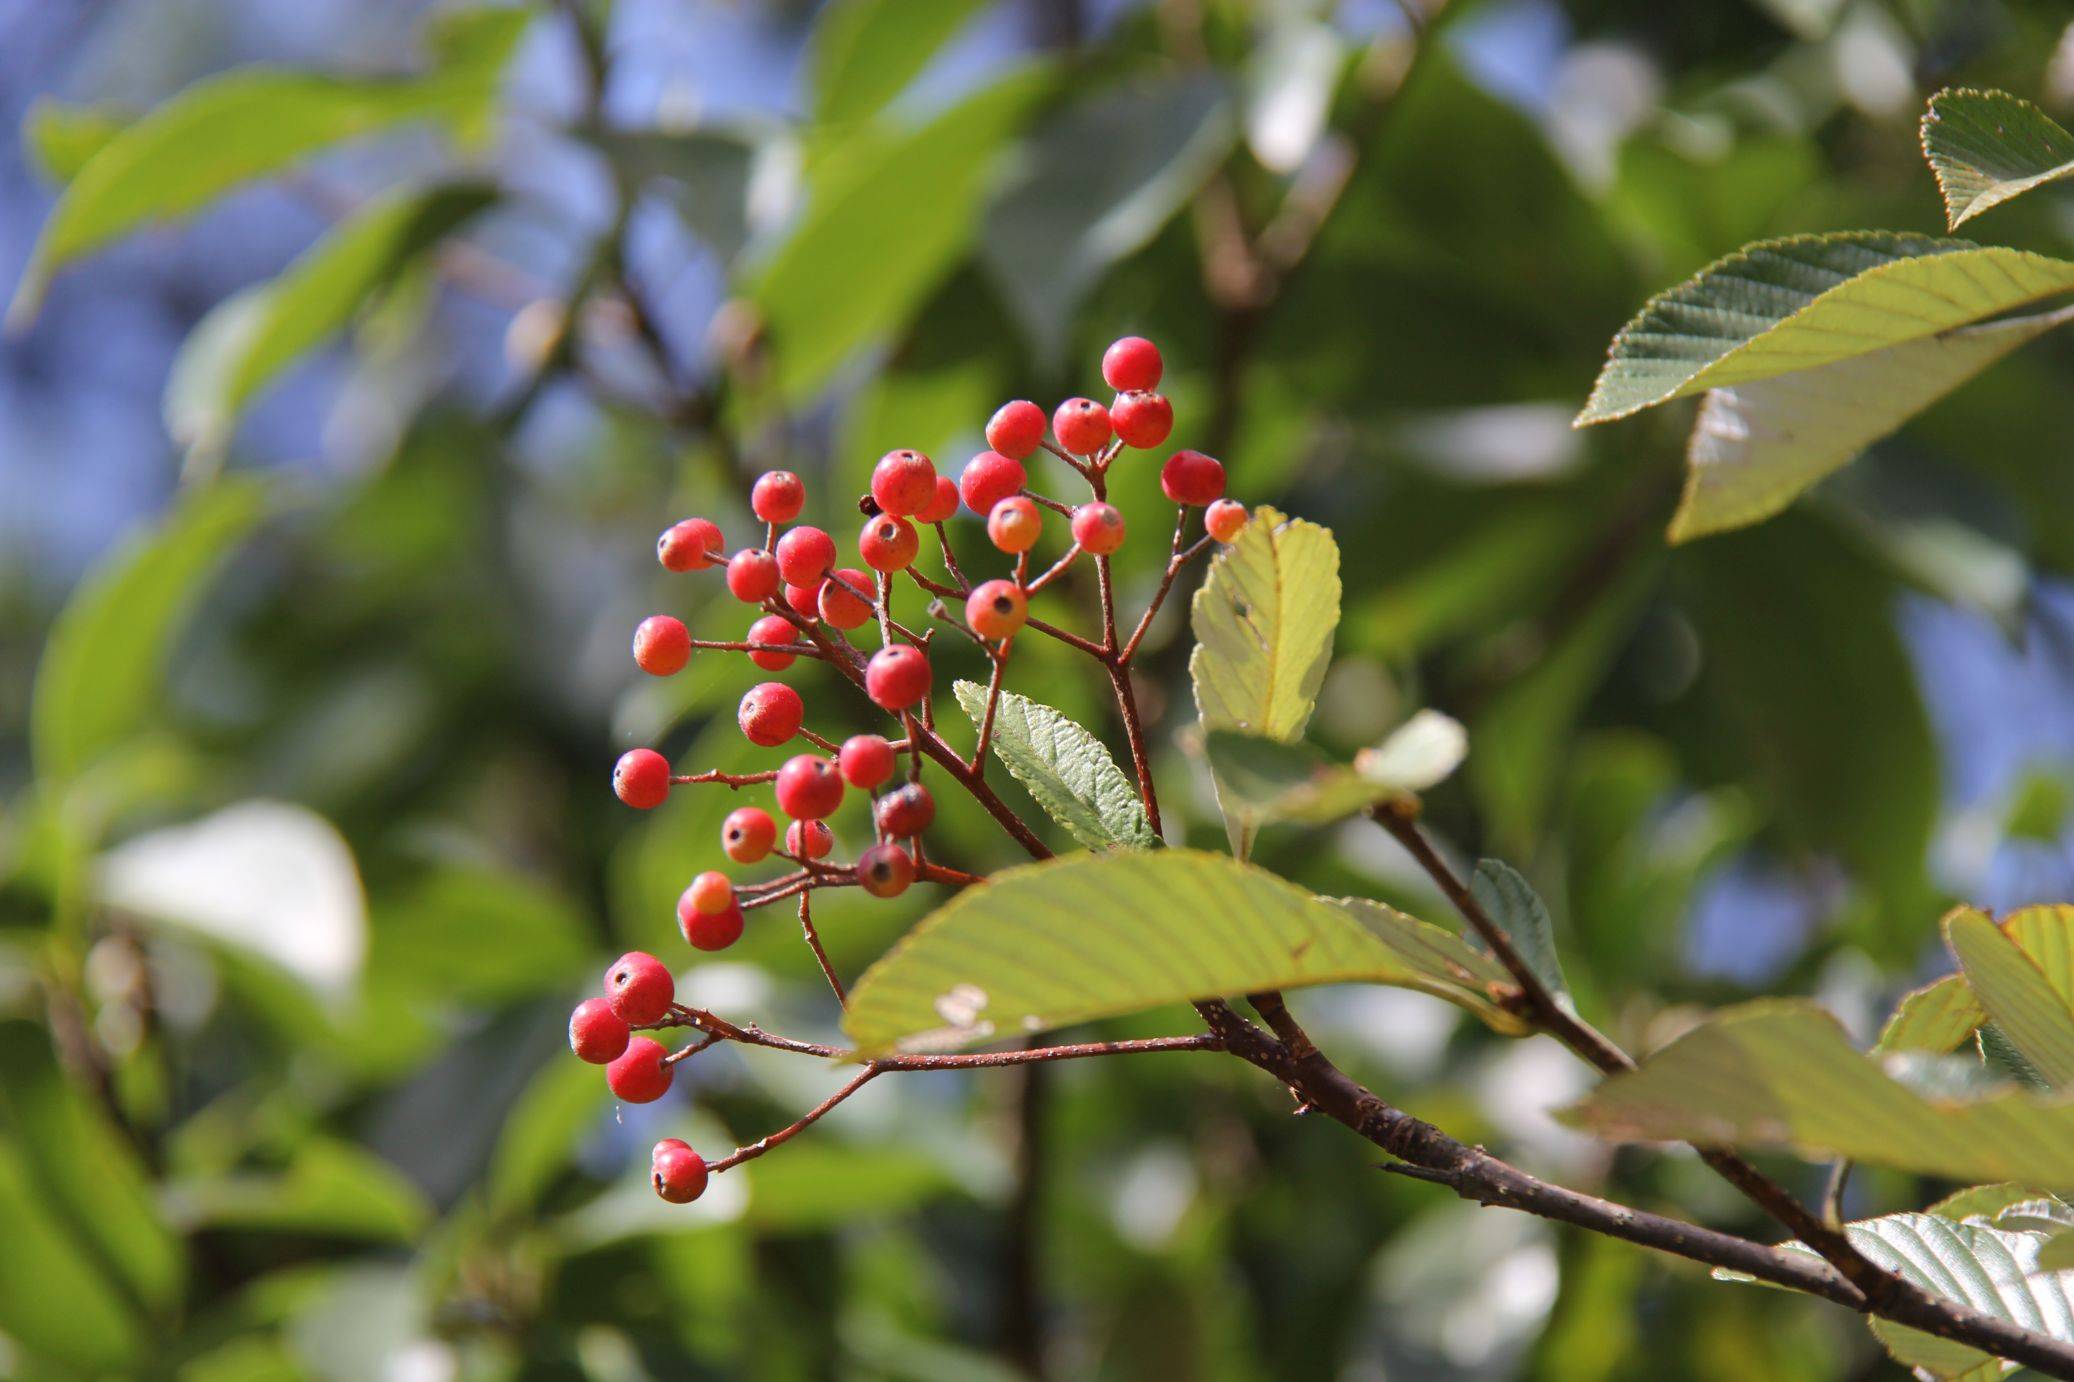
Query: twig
{"points": [[806, 926]]}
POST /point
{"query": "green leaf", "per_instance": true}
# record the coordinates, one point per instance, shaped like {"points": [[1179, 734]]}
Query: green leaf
{"points": [[1991, 1264], [477, 935], [705, 173], [1989, 146], [903, 205], [1934, 1018], [229, 130], [52, 1300], [832, 1186], [1065, 769], [63, 136], [248, 339], [865, 52], [98, 681], [2015, 993], [1268, 781], [1783, 1074], [330, 1188], [1093, 936], [85, 1174], [1520, 913], [1264, 621]]}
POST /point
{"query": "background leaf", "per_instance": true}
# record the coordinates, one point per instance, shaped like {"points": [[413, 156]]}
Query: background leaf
{"points": [[1521, 914], [1989, 146], [864, 52], [1065, 769]]}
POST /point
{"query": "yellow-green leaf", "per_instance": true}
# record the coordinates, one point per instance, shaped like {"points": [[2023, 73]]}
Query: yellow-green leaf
{"points": [[1934, 1018], [1989, 146], [2013, 989], [1065, 769]]}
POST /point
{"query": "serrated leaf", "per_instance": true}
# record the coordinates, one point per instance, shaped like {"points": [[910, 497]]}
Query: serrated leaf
{"points": [[245, 341], [1935, 1018], [1264, 621], [1092, 936], [1784, 1074], [1757, 446], [1065, 769], [1986, 147], [1520, 913], [1780, 306], [2013, 989], [1990, 1264], [229, 130], [1269, 781], [99, 677]]}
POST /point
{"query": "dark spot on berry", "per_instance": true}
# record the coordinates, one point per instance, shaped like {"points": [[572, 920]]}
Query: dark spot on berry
{"points": [[868, 506]]}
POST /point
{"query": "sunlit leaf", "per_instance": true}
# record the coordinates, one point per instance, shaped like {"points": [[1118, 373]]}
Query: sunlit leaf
{"points": [[1092, 936], [52, 1297], [64, 136], [864, 52], [1270, 781], [1989, 146], [1935, 1018], [1065, 769], [2011, 985]]}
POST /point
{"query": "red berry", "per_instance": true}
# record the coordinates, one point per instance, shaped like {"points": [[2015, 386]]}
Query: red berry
{"points": [[662, 645], [640, 988], [707, 930], [989, 478], [1015, 524], [692, 545], [596, 1033], [996, 609], [752, 575], [677, 1172], [770, 713], [897, 676], [639, 1075], [840, 603], [777, 630], [1081, 425], [641, 779], [866, 760], [906, 811], [747, 834], [809, 839], [804, 555], [885, 870], [1225, 519], [1131, 364], [1143, 420], [1098, 528], [1016, 429], [943, 505], [805, 599], [778, 496], [888, 543], [903, 483], [711, 891], [809, 787], [1190, 477]]}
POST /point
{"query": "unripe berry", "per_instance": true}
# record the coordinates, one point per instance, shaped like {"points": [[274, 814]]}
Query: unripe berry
{"points": [[770, 713], [1098, 528], [885, 870], [692, 545], [1225, 519], [640, 988], [840, 603], [888, 543], [641, 779], [776, 630], [903, 483], [804, 555], [707, 930], [778, 496], [943, 505], [752, 575], [1143, 420], [639, 1075], [662, 645], [997, 609], [866, 760], [906, 811], [1015, 524], [897, 676], [748, 833], [805, 599], [1190, 477], [596, 1033], [1016, 429], [809, 787], [989, 478], [809, 839], [711, 891], [1131, 364], [676, 1171], [1081, 425]]}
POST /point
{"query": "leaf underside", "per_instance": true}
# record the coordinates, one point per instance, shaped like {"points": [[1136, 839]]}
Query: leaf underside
{"points": [[1065, 769]]}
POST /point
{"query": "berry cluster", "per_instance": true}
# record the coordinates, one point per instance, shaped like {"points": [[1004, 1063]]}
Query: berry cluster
{"points": [[806, 605]]}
